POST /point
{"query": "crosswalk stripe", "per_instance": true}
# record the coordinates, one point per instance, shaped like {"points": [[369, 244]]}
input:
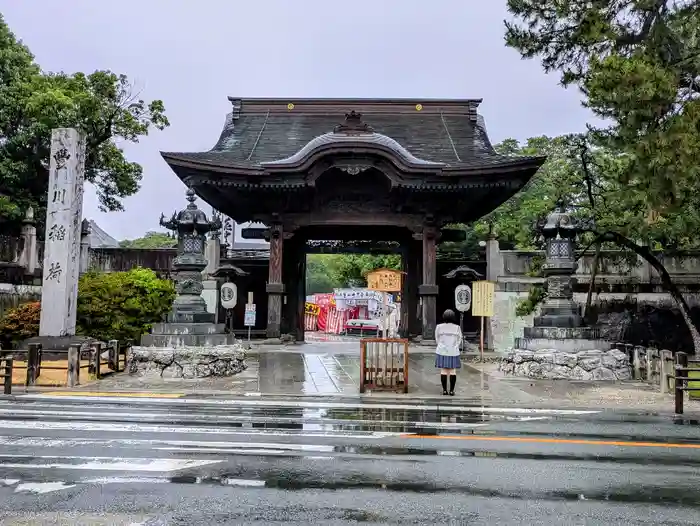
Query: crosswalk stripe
{"points": [[148, 465], [212, 402], [192, 416], [143, 428]]}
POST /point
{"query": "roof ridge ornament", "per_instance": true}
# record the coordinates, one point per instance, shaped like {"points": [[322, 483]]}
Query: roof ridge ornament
{"points": [[353, 125]]}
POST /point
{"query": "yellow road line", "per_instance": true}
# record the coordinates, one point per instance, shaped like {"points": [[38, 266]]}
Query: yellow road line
{"points": [[585, 442], [114, 394]]}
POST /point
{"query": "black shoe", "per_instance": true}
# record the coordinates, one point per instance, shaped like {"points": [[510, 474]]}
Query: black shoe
{"points": [[452, 393], [444, 393]]}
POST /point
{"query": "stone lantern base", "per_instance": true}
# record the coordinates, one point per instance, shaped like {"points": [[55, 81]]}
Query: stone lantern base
{"points": [[556, 364]]}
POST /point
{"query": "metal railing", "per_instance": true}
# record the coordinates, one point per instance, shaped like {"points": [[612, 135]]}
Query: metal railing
{"points": [[383, 364], [97, 356]]}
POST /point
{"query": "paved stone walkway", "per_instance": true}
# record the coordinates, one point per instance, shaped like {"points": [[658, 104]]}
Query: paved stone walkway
{"points": [[333, 369]]}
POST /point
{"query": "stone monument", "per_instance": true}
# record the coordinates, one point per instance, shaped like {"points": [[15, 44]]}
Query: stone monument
{"points": [[559, 345], [64, 210], [189, 323]]}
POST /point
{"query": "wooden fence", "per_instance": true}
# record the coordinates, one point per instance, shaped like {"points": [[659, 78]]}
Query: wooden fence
{"points": [[35, 359], [669, 371], [383, 364]]}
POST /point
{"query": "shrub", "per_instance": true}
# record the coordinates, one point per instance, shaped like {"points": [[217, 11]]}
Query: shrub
{"points": [[122, 305], [111, 306], [20, 323]]}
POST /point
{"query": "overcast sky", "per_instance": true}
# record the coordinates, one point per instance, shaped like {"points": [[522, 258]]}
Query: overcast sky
{"points": [[193, 54]]}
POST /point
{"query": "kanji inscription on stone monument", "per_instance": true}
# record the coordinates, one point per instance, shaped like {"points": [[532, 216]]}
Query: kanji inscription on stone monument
{"points": [[64, 210]]}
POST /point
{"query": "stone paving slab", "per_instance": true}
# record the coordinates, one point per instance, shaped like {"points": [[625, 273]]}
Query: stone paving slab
{"points": [[323, 369]]}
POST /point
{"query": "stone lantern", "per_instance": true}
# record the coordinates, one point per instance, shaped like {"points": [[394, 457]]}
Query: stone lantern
{"points": [[559, 346], [192, 227], [560, 325], [560, 231]]}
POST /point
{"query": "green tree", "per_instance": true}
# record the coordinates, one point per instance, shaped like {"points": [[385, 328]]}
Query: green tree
{"points": [[320, 276], [329, 271], [151, 240], [104, 105], [636, 64]]}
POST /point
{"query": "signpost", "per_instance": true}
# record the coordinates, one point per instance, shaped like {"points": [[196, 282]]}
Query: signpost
{"points": [[386, 281], [482, 304], [249, 318], [463, 301]]}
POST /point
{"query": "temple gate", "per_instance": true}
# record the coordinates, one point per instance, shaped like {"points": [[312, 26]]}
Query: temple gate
{"points": [[379, 171]]}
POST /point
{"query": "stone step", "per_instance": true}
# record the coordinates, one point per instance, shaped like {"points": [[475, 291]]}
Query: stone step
{"points": [[188, 328], [187, 340]]}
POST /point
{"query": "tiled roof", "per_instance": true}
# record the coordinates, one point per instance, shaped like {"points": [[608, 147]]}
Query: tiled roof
{"points": [[446, 132]]}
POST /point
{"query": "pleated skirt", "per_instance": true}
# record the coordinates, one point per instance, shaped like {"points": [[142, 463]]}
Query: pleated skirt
{"points": [[447, 362]]}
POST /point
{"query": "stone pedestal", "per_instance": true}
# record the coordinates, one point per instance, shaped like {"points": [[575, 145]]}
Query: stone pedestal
{"points": [[187, 334], [64, 210], [555, 364], [187, 363]]}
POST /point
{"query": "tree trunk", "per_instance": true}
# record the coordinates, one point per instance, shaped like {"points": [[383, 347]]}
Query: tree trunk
{"points": [[668, 284], [591, 285]]}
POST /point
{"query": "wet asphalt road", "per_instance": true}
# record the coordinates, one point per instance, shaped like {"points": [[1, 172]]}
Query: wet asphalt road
{"points": [[122, 461]]}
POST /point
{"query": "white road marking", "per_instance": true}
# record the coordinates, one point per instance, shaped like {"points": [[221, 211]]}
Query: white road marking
{"points": [[148, 465], [302, 404], [314, 426], [243, 482], [164, 445], [42, 487], [9, 482], [126, 480], [141, 428]]}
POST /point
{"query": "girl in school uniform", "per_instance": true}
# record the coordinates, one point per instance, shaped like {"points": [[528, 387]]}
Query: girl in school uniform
{"points": [[448, 337]]}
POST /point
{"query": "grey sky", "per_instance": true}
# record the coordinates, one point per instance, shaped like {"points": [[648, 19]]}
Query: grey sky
{"points": [[193, 54]]}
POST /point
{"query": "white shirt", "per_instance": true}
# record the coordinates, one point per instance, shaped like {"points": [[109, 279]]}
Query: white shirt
{"points": [[449, 339]]}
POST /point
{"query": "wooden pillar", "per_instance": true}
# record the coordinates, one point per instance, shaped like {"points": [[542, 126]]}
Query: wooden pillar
{"points": [[403, 322], [289, 278], [429, 290], [301, 294], [275, 287], [412, 281]]}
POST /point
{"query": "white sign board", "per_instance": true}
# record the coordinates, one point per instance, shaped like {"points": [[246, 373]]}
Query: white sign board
{"points": [[463, 298], [249, 318], [229, 295]]}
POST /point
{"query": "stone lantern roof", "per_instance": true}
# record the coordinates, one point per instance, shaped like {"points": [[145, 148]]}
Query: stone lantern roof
{"points": [[559, 224]]}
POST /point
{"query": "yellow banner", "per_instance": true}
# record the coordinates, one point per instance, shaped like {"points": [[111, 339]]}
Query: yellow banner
{"points": [[312, 308], [483, 293]]}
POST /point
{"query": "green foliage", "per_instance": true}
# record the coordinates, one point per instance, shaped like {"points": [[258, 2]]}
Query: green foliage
{"points": [[636, 64], [151, 240], [111, 306], [527, 306], [325, 272], [104, 105], [20, 323], [589, 179], [122, 305]]}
